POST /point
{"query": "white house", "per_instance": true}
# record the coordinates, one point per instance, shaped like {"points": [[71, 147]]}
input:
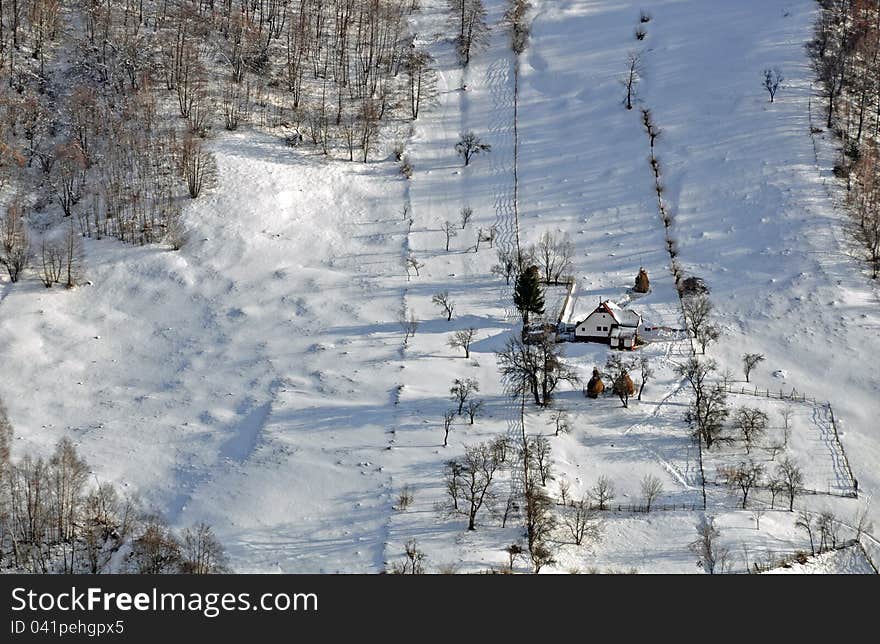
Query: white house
{"points": [[611, 325]]}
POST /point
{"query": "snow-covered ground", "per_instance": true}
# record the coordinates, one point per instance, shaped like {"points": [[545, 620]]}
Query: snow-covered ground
{"points": [[848, 561], [258, 378]]}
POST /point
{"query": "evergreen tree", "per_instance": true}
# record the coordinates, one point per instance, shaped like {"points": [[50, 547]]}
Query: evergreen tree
{"points": [[527, 294]]}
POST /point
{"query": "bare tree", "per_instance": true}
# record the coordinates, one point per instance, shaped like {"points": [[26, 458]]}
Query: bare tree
{"points": [[534, 368], [540, 520], [404, 499], [408, 323], [461, 391], [197, 165], [647, 372], [413, 264], [554, 255], [829, 530], [502, 446], [5, 438], [757, 514], [473, 408], [369, 118], [632, 77], [787, 413], [698, 311], [561, 422], [469, 146], [470, 16], [51, 260], [582, 523], [751, 423], [708, 411], [442, 300], [74, 255], [235, 103], [507, 264], [448, 420], [202, 553], [452, 478], [713, 556], [473, 489], [705, 335], [412, 565], [772, 81], [652, 489], [15, 249], [68, 474], [450, 231], [539, 452], [745, 477], [463, 339], [775, 486], [621, 383], [69, 175], [564, 487], [156, 550], [805, 522], [421, 79], [467, 214], [750, 361], [792, 479], [775, 447], [861, 522], [602, 492], [517, 23]]}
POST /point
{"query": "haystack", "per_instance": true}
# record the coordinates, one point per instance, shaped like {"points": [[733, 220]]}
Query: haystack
{"points": [[624, 384], [643, 285], [595, 386]]}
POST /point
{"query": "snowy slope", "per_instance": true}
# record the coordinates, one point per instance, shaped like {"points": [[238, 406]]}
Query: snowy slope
{"points": [[258, 378]]}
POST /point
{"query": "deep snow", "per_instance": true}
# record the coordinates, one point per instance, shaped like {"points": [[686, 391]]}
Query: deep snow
{"points": [[258, 378]]}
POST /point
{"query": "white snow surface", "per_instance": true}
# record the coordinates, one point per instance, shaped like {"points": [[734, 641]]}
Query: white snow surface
{"points": [[257, 379]]}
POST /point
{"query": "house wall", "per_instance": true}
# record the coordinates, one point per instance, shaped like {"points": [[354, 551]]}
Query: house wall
{"points": [[587, 330]]}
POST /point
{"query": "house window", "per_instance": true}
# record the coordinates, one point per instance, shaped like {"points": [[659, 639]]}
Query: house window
{"points": [[604, 328], [598, 328]]}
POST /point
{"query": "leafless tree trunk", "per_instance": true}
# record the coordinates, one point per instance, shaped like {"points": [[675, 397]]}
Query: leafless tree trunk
{"points": [[632, 77]]}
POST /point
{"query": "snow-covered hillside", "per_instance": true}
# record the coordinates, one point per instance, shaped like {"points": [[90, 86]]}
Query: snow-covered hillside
{"points": [[258, 379]]}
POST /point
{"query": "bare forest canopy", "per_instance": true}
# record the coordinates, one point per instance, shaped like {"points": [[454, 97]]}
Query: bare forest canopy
{"points": [[845, 52], [106, 105]]}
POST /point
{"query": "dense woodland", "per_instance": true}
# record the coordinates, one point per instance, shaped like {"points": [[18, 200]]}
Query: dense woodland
{"points": [[55, 517], [105, 105], [845, 52]]}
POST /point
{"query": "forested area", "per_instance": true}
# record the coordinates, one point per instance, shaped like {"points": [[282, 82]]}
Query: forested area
{"points": [[106, 105], [845, 52], [56, 517]]}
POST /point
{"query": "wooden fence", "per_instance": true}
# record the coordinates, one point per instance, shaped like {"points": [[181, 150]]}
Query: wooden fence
{"points": [[636, 508], [853, 481], [793, 395], [771, 560]]}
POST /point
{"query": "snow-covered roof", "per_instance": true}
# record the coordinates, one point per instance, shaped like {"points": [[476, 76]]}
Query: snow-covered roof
{"points": [[623, 332], [624, 317]]}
